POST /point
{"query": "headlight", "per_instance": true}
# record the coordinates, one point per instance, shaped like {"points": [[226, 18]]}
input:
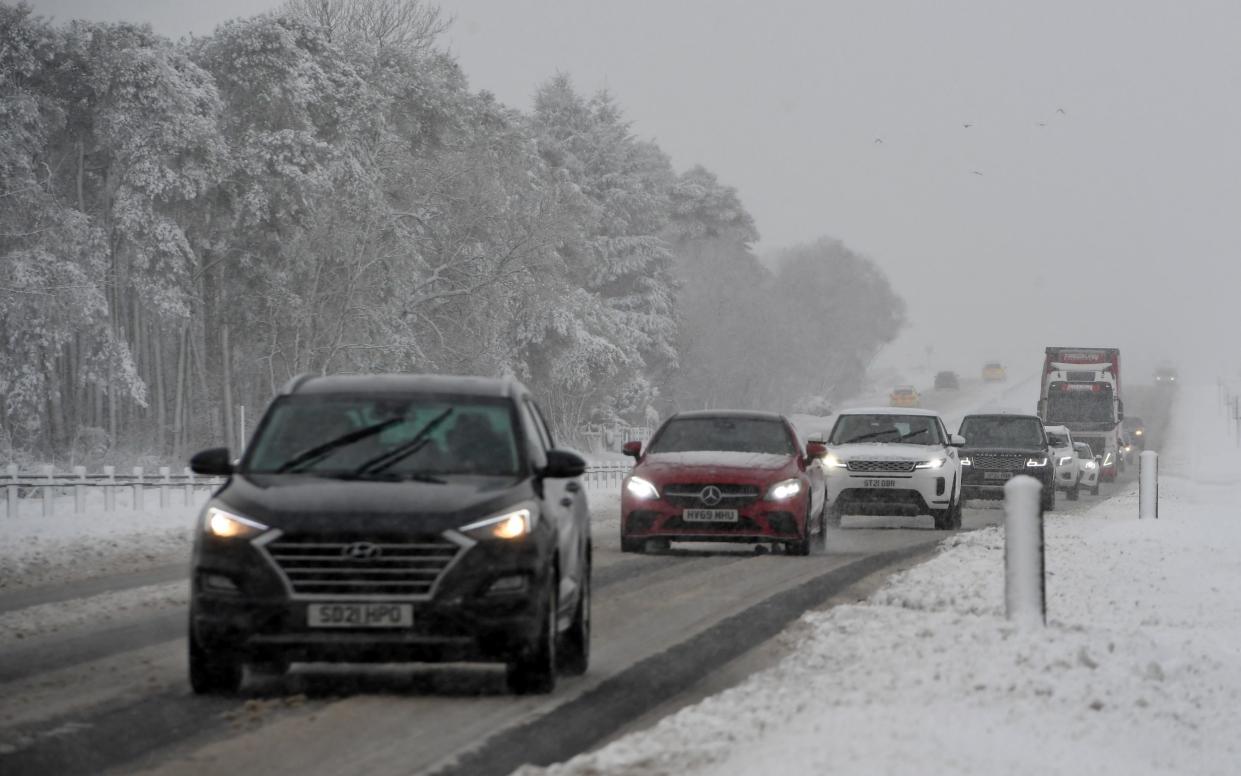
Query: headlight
{"points": [[640, 488], [228, 525], [934, 463], [1065, 460], [833, 461], [783, 490], [1035, 463], [510, 525], [1089, 465], [1139, 432], [965, 461]]}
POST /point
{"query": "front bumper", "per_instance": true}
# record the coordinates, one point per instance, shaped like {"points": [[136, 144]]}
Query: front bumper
{"points": [[977, 484], [877, 493], [461, 619], [757, 521]]}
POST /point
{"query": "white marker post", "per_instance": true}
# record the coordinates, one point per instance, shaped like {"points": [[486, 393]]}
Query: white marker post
{"points": [[1024, 581], [1148, 485]]}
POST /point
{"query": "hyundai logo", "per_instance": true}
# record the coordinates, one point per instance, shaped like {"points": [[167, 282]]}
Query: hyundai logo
{"points": [[710, 496], [362, 551]]}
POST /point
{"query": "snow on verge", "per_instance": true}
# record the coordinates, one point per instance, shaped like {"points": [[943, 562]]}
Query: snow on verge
{"points": [[1139, 671]]}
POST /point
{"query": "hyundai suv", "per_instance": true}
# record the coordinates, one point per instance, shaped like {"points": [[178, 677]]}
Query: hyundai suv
{"points": [[393, 518], [887, 461], [1000, 446]]}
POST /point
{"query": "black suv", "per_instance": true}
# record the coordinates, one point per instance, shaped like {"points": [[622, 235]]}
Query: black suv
{"points": [[1000, 446], [947, 381], [393, 518]]}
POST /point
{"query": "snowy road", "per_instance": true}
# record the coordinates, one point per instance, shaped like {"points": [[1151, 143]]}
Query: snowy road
{"points": [[110, 693]]}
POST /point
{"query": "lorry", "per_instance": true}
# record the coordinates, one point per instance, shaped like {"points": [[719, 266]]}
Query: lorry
{"points": [[1081, 390]]}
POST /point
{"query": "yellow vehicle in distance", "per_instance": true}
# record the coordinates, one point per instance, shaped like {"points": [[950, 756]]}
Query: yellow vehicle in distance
{"points": [[994, 372], [904, 396]]}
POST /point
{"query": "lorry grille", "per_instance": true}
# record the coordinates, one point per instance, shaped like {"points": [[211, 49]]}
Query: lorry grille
{"points": [[995, 462], [881, 466], [407, 569]]}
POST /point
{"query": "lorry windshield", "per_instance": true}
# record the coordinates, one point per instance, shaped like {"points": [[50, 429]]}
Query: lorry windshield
{"points": [[1079, 407]]}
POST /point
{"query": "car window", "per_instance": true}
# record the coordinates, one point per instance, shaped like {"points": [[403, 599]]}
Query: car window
{"points": [[421, 435], [887, 428], [1057, 440], [1084, 451], [540, 427], [724, 433]]}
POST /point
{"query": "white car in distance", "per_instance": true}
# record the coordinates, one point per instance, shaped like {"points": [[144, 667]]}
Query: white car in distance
{"points": [[1088, 463], [1068, 473], [893, 461]]}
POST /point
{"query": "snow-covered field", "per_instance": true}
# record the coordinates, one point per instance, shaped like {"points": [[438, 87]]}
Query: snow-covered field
{"points": [[40, 550], [1138, 671]]}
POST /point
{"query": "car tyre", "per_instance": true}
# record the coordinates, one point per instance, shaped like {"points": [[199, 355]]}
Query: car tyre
{"points": [[574, 652], [213, 673], [1049, 499], [1095, 490], [533, 672], [633, 545]]}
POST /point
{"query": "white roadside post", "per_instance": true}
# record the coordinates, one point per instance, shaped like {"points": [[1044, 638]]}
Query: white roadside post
{"points": [[49, 491], [136, 504], [189, 486], [1148, 485], [109, 490], [12, 492], [1024, 581], [79, 489]]}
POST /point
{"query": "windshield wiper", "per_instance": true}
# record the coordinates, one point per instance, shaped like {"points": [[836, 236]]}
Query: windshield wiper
{"points": [[872, 435], [401, 452], [319, 452]]}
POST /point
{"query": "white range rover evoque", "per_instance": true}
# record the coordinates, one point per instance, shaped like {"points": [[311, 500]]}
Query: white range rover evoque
{"points": [[894, 461]]}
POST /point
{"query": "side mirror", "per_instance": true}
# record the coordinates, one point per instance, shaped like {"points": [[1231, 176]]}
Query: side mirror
{"points": [[564, 464], [632, 449], [815, 449], [956, 440], [213, 462]]}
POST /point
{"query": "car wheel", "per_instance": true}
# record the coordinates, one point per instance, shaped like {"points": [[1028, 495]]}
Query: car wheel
{"points": [[534, 671], [1095, 490], [574, 650], [801, 547], [957, 509], [632, 545], [213, 673], [1049, 498]]}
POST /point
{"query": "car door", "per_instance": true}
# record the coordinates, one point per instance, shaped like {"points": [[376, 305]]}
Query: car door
{"points": [[564, 501]]}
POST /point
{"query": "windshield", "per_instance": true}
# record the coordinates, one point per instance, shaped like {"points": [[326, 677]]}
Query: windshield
{"points": [[1084, 451], [1079, 406], [1001, 431], [1057, 440], [732, 434], [880, 429], [390, 436]]}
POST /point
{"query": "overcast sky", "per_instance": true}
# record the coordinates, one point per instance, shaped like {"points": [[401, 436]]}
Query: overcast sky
{"points": [[1114, 222]]}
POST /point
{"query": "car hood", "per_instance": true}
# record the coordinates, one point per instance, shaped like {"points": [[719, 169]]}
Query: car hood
{"points": [[886, 452], [296, 502], [715, 465], [967, 450]]}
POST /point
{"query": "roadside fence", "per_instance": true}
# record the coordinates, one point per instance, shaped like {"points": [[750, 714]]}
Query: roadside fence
{"points": [[183, 488]]}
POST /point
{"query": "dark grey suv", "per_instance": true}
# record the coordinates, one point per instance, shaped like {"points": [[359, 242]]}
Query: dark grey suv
{"points": [[394, 518]]}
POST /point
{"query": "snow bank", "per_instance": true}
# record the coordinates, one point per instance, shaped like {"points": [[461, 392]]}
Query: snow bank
{"points": [[37, 550], [1138, 672]]}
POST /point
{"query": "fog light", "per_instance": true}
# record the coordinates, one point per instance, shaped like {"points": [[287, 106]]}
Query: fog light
{"points": [[515, 583], [220, 583]]}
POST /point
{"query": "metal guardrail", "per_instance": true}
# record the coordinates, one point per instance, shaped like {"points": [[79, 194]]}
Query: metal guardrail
{"points": [[49, 484]]}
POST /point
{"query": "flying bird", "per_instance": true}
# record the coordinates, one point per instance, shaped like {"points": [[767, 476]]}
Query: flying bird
{"points": [[1041, 123], [1061, 111], [878, 141], [976, 172], [967, 126]]}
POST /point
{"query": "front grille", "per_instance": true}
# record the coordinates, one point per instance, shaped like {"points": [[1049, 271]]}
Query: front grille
{"points": [[690, 495], [406, 569], [881, 466], [997, 462]]}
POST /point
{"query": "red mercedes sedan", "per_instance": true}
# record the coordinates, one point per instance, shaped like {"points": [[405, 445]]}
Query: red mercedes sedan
{"points": [[730, 476]]}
